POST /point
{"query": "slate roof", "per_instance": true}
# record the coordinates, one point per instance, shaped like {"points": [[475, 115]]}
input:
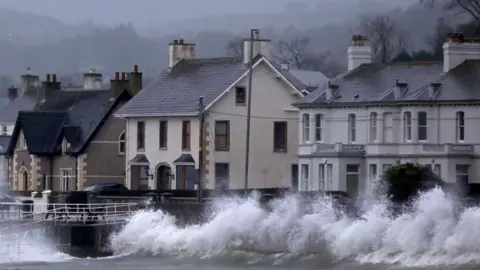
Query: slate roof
{"points": [[25, 102], [177, 90], [73, 115], [377, 83], [314, 79], [4, 141]]}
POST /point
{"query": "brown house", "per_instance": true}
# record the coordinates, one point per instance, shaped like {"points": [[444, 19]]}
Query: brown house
{"points": [[71, 138]]}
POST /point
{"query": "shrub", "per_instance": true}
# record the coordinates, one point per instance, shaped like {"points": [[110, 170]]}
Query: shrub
{"points": [[405, 180]]}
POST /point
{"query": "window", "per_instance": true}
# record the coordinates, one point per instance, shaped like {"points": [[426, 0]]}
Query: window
{"points": [[240, 96], [385, 167], [388, 127], [407, 126], [319, 127], [330, 176], [438, 169], [321, 176], [65, 145], [222, 135], [372, 168], [162, 134], [461, 172], [460, 134], [186, 135], [4, 130], [68, 181], [22, 142], [352, 128], [140, 135], [306, 127], [121, 144], [280, 136], [373, 127], [422, 126], [353, 180], [305, 176], [221, 176]]}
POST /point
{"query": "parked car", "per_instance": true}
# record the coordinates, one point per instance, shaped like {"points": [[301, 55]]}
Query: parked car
{"points": [[105, 187]]}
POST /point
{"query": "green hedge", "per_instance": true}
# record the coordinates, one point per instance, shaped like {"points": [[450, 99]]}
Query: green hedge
{"points": [[404, 180]]}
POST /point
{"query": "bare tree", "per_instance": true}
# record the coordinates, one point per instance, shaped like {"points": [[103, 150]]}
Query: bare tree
{"points": [[472, 7], [384, 36], [234, 47]]}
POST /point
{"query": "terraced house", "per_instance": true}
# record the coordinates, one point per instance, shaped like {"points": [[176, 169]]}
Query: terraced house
{"points": [[374, 115], [70, 139], [163, 127]]}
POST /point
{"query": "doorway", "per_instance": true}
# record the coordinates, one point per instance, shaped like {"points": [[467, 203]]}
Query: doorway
{"points": [[163, 177], [25, 180]]}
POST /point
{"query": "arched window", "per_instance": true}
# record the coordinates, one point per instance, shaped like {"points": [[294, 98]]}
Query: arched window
{"points": [[352, 128], [306, 127], [121, 144], [460, 126]]}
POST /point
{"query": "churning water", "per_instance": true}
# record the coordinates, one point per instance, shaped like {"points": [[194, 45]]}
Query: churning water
{"points": [[434, 232]]}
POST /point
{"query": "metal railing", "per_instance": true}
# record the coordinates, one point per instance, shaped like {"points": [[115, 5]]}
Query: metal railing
{"points": [[66, 213]]}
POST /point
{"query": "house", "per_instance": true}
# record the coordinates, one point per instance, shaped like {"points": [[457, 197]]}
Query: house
{"points": [[374, 115], [163, 127], [70, 139]]}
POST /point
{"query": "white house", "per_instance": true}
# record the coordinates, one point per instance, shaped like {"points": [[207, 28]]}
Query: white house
{"points": [[374, 115], [162, 132]]}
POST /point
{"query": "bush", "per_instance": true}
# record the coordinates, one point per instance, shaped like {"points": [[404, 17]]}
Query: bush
{"points": [[404, 181]]}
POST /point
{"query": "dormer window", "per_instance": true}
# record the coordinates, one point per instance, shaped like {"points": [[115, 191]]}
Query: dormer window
{"points": [[240, 96]]}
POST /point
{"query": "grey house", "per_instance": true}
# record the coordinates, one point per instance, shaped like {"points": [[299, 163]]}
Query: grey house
{"points": [[70, 139], [374, 115]]}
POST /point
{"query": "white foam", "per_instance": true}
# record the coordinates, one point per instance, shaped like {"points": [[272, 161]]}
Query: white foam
{"points": [[433, 233]]}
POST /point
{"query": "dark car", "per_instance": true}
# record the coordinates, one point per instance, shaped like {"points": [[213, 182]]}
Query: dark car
{"points": [[105, 187]]}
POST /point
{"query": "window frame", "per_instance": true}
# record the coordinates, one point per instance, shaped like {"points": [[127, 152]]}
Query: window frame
{"points": [[305, 128], [122, 144], [163, 134], [141, 126], [285, 137], [352, 128], [186, 135], [373, 127], [420, 116], [239, 102], [460, 126], [66, 175], [319, 123], [407, 126], [225, 137]]}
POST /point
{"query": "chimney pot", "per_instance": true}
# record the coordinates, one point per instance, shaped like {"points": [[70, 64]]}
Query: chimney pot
{"points": [[135, 68], [175, 41], [180, 41], [48, 77], [54, 78], [117, 75], [123, 76]]}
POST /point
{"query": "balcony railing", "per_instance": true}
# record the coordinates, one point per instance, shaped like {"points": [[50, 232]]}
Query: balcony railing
{"points": [[394, 148], [339, 148]]}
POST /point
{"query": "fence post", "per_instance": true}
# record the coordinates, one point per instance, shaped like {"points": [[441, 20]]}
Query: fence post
{"points": [[45, 195]]}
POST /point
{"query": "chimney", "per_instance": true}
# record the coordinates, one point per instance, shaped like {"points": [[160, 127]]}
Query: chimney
{"points": [[29, 81], [179, 50], [92, 80], [49, 87], [260, 46], [359, 52], [117, 85], [458, 49], [284, 66], [135, 81], [12, 93]]}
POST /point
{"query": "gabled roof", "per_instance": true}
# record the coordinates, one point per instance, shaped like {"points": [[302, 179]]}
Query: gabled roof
{"points": [[177, 90], [84, 113], [376, 83]]}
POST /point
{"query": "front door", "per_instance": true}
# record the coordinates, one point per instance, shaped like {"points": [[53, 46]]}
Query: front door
{"points": [[163, 177], [186, 177], [139, 177], [294, 171]]}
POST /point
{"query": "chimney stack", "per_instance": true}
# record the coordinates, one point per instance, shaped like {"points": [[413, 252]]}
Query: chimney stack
{"points": [[29, 81], [118, 84], [12, 93], [260, 46], [49, 87], [54, 78], [359, 52], [92, 80], [457, 49], [179, 50], [135, 81]]}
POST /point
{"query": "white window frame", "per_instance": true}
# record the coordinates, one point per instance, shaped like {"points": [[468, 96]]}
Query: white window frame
{"points": [[420, 127], [305, 173], [120, 142], [329, 176], [306, 127], [319, 127], [352, 128], [67, 177], [373, 126], [407, 126], [460, 126], [321, 176], [457, 173]]}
